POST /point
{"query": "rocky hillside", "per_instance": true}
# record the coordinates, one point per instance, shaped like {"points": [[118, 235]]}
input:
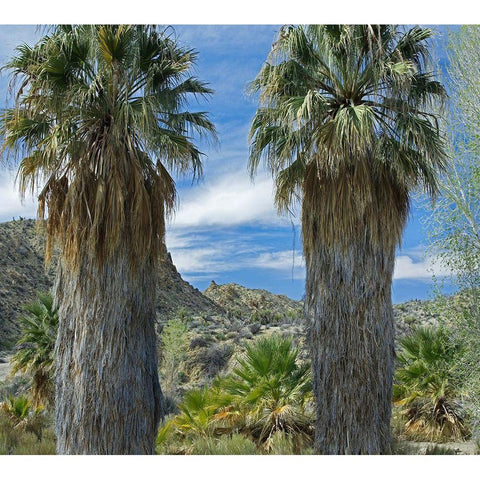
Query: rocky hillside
{"points": [[219, 307], [254, 304], [266, 307], [23, 274]]}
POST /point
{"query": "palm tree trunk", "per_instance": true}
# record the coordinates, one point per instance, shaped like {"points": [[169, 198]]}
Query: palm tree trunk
{"points": [[352, 346], [108, 398]]}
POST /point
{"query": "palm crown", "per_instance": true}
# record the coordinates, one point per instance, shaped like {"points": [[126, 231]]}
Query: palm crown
{"points": [[349, 98], [100, 124]]}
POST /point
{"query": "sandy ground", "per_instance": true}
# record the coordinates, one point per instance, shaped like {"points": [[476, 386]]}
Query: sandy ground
{"points": [[419, 448], [4, 368]]}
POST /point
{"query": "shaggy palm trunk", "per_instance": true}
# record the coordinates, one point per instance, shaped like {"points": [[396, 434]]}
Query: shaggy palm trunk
{"points": [[108, 398], [349, 242], [352, 351]]}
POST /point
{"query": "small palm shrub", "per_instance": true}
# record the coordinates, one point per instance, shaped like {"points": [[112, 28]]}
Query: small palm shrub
{"points": [[22, 416], [270, 391], [267, 393], [35, 354], [16, 439], [427, 386], [197, 412]]}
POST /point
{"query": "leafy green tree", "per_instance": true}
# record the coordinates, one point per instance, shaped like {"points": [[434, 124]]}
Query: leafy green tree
{"points": [[348, 125], [454, 225], [427, 385], [100, 124], [35, 354]]}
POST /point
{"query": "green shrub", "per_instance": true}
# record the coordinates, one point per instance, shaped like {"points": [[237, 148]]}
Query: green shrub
{"points": [[174, 353], [268, 391], [427, 386], [439, 450], [281, 444], [35, 354], [234, 444], [18, 437]]}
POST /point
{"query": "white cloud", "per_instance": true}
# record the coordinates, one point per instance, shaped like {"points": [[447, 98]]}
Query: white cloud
{"points": [[11, 204], [292, 263], [229, 200], [200, 260], [407, 268]]}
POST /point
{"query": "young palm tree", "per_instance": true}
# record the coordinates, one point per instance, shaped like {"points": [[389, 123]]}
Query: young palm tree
{"points": [[36, 346], [427, 385], [99, 122], [268, 392], [347, 124]]}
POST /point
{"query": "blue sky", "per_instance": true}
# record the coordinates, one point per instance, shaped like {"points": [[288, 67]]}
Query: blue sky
{"points": [[226, 227]]}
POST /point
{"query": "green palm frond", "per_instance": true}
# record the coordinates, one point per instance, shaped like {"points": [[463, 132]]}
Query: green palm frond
{"points": [[344, 98], [35, 354], [426, 385], [272, 390], [101, 123]]}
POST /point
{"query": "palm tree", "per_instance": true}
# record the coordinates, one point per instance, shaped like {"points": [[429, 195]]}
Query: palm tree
{"points": [[100, 124], [427, 385], [268, 392], [36, 346], [21, 415], [347, 124]]}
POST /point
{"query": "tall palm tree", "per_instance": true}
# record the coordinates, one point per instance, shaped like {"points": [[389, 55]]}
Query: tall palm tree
{"points": [[347, 123], [100, 123], [36, 346]]}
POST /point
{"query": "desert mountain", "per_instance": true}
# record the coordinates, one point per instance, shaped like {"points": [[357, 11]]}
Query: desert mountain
{"points": [[23, 274]]}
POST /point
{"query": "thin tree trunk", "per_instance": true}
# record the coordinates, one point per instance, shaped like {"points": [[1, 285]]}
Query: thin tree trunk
{"points": [[108, 398], [352, 347]]}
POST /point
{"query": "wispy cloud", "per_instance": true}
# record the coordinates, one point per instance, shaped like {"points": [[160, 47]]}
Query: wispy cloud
{"points": [[229, 200]]}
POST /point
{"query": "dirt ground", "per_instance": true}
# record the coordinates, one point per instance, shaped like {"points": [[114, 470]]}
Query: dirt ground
{"points": [[419, 448], [4, 368]]}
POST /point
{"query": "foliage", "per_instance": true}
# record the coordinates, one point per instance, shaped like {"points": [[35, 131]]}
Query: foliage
{"points": [[14, 386], [21, 415], [100, 127], [234, 444], [266, 393], [427, 386], [98, 122], [36, 438], [211, 360], [197, 414], [454, 223], [35, 354], [439, 450], [332, 95], [269, 391], [174, 353]]}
